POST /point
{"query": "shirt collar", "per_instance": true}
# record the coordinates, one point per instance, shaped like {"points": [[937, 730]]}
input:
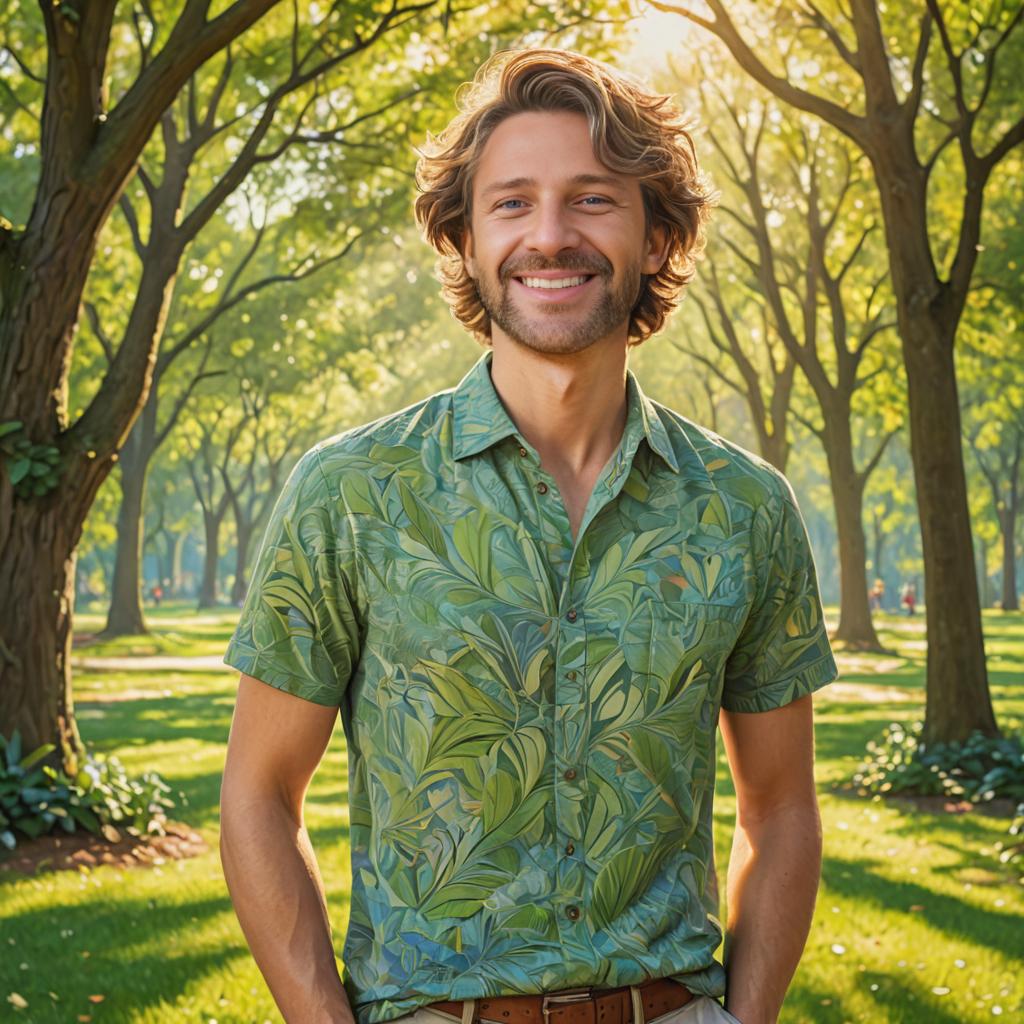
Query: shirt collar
{"points": [[480, 420]]}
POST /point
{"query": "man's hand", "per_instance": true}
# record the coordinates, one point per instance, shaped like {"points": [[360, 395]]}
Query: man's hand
{"points": [[776, 855], [276, 743]]}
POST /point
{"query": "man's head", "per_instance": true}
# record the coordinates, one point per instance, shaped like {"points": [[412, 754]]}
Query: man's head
{"points": [[558, 169]]}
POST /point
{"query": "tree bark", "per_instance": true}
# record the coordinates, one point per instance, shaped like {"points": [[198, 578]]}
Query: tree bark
{"points": [[984, 589], [1008, 522], [208, 591], [957, 693], [243, 538], [36, 608], [855, 628], [124, 616], [878, 546]]}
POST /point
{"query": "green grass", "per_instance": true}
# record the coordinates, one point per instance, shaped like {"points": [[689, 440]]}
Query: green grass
{"points": [[911, 904]]}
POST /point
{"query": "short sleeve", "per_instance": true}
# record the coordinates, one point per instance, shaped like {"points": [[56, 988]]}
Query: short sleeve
{"points": [[783, 651], [298, 629]]}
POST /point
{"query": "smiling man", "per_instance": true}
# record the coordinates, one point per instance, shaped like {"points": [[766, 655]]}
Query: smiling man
{"points": [[534, 598]]}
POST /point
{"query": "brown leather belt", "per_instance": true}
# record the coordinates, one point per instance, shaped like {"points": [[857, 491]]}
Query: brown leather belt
{"points": [[577, 1006]]}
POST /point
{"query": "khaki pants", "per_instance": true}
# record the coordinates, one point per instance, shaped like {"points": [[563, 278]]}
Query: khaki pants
{"points": [[699, 1010]]}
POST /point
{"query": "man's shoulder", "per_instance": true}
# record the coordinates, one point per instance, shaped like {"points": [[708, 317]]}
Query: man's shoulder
{"points": [[395, 437], [737, 473]]}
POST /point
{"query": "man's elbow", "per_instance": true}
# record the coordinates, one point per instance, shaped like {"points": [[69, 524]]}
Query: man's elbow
{"points": [[796, 814]]}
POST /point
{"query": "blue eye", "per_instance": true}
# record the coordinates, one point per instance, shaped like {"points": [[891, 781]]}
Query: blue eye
{"points": [[600, 199], [502, 204]]}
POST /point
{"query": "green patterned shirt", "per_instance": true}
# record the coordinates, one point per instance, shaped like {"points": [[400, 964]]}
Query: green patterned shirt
{"points": [[530, 721]]}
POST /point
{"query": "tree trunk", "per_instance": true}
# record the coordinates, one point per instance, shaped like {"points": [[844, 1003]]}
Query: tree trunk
{"points": [[177, 572], [208, 587], [958, 699], [36, 608], [957, 692], [244, 536], [165, 560], [984, 590], [1008, 524], [856, 628], [878, 547], [124, 617]]}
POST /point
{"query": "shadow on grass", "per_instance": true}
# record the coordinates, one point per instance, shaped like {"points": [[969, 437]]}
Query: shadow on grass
{"points": [[202, 716], [107, 930], [897, 1001], [804, 1006], [859, 880]]}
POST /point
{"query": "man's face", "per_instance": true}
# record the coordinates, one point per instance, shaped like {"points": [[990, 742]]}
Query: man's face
{"points": [[556, 241]]}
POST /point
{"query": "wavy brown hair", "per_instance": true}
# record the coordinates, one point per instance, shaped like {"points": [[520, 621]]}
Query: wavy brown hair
{"points": [[633, 131]]}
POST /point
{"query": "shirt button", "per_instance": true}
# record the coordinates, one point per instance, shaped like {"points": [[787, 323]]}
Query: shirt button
{"points": [[523, 452], [571, 675], [570, 774], [573, 913], [571, 614], [542, 488], [570, 849]]}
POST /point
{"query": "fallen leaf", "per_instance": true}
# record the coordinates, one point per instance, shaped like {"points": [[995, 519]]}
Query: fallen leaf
{"points": [[96, 999], [17, 1001]]}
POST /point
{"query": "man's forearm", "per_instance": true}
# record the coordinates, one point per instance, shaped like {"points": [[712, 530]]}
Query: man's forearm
{"points": [[278, 895], [772, 885]]}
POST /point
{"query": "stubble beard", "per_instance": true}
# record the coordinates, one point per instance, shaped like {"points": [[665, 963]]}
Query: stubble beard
{"points": [[554, 330]]}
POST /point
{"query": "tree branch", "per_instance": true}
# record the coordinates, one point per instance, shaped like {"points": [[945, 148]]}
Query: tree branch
{"points": [[723, 27]]}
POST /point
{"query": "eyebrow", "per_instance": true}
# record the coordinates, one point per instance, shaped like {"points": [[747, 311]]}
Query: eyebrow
{"points": [[580, 179]]}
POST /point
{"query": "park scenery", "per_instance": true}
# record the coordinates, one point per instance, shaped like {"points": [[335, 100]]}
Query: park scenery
{"points": [[209, 262]]}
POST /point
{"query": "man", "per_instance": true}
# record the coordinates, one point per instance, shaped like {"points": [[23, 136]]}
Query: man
{"points": [[533, 597]]}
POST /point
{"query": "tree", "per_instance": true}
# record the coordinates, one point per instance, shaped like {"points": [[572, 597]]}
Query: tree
{"points": [[898, 91], [993, 418], [102, 104], [799, 223], [88, 150]]}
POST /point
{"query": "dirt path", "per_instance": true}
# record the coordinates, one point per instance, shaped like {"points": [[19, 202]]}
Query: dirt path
{"points": [[149, 663]]}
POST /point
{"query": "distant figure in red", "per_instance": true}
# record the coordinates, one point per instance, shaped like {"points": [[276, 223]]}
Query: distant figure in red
{"points": [[908, 597], [158, 593]]}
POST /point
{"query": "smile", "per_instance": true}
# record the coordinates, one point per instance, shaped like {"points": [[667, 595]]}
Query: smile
{"points": [[551, 289], [554, 282]]}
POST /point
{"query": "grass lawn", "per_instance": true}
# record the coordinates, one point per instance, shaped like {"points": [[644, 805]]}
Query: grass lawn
{"points": [[916, 919]]}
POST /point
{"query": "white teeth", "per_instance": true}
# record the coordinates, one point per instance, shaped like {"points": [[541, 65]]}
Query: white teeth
{"points": [[543, 282]]}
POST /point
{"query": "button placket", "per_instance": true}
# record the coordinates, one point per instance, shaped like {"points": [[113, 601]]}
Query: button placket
{"points": [[569, 732]]}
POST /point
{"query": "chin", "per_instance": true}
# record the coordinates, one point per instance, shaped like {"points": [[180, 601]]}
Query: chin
{"points": [[549, 342]]}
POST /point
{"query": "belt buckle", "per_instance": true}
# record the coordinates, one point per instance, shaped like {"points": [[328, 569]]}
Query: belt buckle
{"points": [[574, 995]]}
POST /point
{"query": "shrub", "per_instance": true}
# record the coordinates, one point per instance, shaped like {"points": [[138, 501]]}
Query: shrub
{"points": [[37, 799], [979, 769]]}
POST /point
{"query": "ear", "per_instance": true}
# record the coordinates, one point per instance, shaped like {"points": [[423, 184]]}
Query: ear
{"points": [[468, 258], [657, 249]]}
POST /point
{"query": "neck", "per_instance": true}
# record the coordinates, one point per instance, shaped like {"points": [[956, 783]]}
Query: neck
{"points": [[571, 408]]}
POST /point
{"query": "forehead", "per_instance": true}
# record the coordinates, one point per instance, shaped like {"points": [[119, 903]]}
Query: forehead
{"points": [[546, 147]]}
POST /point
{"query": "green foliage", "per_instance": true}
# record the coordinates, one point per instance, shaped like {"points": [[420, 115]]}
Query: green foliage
{"points": [[36, 799], [979, 769], [34, 468]]}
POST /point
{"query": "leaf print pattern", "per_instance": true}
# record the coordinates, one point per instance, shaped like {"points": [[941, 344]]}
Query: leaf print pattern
{"points": [[530, 720]]}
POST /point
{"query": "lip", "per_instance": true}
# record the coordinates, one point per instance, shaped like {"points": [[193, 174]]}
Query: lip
{"points": [[554, 294]]}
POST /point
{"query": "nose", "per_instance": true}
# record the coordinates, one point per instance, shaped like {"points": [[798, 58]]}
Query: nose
{"points": [[551, 230]]}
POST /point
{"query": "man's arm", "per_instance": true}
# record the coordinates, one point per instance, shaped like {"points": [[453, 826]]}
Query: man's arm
{"points": [[776, 855], [276, 743]]}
